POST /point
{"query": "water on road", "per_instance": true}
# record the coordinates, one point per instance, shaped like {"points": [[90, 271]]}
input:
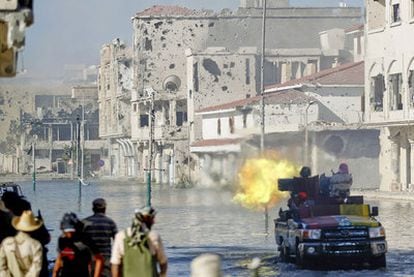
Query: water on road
{"points": [[196, 221]]}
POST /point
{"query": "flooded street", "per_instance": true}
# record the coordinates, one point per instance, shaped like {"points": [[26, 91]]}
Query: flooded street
{"points": [[194, 221]]}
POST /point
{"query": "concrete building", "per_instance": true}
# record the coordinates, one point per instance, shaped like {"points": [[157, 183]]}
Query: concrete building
{"points": [[389, 89], [326, 104], [54, 127], [114, 89], [194, 59]]}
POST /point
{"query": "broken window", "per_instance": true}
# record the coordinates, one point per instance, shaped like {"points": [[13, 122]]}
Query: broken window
{"points": [[377, 93], [231, 125], [218, 127], [411, 87], [244, 120], [396, 13], [181, 117], [143, 120], [247, 71], [195, 77], [395, 85]]}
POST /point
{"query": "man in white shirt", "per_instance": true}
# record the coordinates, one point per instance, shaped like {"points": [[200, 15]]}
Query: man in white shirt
{"points": [[141, 227]]}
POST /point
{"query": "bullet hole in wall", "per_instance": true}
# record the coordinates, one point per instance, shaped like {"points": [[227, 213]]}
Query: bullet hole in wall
{"points": [[158, 24], [148, 44], [172, 66], [224, 88], [211, 24], [212, 67]]}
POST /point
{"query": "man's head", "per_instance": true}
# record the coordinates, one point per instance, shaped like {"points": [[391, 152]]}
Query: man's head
{"points": [[27, 222], [146, 215], [305, 172], [99, 205], [15, 203], [69, 224], [343, 168]]}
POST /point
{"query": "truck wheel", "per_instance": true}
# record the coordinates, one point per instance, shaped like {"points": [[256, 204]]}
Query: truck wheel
{"points": [[378, 262]]}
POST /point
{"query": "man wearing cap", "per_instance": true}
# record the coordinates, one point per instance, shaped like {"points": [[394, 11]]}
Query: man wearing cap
{"points": [[99, 230], [139, 231], [21, 255], [74, 257]]}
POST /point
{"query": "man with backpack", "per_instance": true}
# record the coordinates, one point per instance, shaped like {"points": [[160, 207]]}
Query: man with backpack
{"points": [[138, 251], [74, 257]]}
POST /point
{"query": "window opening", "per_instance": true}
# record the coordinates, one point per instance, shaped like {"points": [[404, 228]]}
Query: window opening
{"points": [[377, 93], [143, 120], [395, 84], [231, 125], [218, 127], [396, 13], [411, 87]]}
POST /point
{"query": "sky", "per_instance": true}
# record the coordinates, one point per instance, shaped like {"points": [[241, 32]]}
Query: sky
{"points": [[72, 32]]}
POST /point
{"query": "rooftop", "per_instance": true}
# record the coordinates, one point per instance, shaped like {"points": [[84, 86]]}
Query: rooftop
{"points": [[159, 10], [346, 74], [282, 97]]}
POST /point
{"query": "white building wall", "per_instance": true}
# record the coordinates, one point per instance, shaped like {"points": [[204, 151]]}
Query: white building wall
{"points": [[389, 51]]}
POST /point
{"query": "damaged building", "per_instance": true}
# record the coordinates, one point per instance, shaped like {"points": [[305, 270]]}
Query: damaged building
{"points": [[114, 89], [325, 107], [190, 59], [389, 87], [46, 117]]}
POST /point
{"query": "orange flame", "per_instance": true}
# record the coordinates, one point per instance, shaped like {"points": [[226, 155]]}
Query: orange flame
{"points": [[258, 182]]}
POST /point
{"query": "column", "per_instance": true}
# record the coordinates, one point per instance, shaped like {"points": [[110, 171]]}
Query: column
{"points": [[173, 105], [395, 166], [404, 163], [411, 164]]}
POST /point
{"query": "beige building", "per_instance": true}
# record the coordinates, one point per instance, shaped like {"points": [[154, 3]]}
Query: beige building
{"points": [[389, 88], [192, 59], [114, 90], [326, 105]]}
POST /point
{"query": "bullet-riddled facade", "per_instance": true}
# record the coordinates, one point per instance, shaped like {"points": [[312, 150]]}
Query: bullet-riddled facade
{"points": [[114, 88], [168, 43], [389, 88]]}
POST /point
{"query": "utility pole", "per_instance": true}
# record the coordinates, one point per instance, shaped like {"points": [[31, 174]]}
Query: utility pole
{"points": [[83, 138], [150, 149], [262, 104], [78, 156], [189, 151], [34, 162]]}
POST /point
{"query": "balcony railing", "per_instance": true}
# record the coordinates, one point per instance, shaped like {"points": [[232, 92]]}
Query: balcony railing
{"points": [[162, 133]]}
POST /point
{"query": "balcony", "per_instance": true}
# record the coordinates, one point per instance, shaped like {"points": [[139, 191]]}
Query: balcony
{"points": [[163, 133]]}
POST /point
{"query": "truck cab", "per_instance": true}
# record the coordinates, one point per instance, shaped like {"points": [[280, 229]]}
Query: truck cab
{"points": [[321, 229]]}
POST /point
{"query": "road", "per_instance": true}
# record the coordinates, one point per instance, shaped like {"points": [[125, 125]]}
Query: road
{"points": [[195, 221]]}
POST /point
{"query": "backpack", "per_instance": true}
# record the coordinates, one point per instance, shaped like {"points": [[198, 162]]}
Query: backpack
{"points": [[138, 260]]}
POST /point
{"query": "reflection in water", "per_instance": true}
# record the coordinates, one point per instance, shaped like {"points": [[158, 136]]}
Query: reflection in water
{"points": [[194, 221]]}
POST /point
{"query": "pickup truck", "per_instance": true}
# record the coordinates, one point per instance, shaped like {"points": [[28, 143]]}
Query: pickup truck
{"points": [[324, 230]]}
